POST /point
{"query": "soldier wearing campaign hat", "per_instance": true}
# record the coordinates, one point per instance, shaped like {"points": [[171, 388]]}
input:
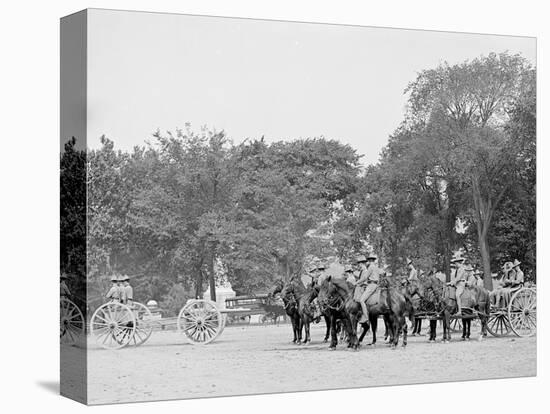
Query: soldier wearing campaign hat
{"points": [[128, 290], [116, 292], [413, 273], [458, 280], [368, 280], [476, 279], [349, 275]]}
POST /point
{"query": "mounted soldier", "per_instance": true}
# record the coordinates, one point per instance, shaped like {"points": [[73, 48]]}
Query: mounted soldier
{"points": [[413, 273], [349, 275], [476, 279], [317, 276], [458, 280], [368, 281]]}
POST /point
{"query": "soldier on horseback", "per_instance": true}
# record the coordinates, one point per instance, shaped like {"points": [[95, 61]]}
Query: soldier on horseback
{"points": [[349, 275], [368, 280], [458, 281], [413, 273]]}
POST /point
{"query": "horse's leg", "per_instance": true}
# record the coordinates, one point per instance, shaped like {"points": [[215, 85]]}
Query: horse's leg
{"points": [[398, 322], [405, 329], [373, 327], [365, 327], [433, 329], [333, 335], [327, 332], [446, 326], [484, 317], [293, 322], [388, 329], [419, 322], [298, 322]]}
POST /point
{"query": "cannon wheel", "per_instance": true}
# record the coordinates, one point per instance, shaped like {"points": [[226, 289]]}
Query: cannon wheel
{"points": [[200, 321], [498, 324], [71, 322], [113, 325], [144, 324], [522, 312]]}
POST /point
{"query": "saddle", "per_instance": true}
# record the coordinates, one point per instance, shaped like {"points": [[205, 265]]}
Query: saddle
{"points": [[467, 297], [373, 300]]}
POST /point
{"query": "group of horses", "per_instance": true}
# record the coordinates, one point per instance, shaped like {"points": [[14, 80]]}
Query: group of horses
{"points": [[393, 301]]}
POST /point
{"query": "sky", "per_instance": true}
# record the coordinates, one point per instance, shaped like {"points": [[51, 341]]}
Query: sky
{"points": [[253, 78]]}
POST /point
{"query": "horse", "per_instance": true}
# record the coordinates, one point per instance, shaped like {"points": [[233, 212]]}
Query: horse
{"points": [[411, 290], [291, 307], [306, 310], [336, 296], [475, 301], [298, 301]]}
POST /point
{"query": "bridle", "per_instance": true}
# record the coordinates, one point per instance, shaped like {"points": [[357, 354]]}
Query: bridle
{"points": [[335, 303]]}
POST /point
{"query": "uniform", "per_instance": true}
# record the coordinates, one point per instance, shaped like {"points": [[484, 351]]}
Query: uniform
{"points": [[128, 292], [370, 279], [116, 293], [459, 282], [349, 276], [413, 275], [503, 291], [511, 282]]}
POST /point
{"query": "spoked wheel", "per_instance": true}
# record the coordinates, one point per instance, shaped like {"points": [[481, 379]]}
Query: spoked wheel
{"points": [[71, 322], [498, 324], [144, 324], [522, 312], [113, 325], [201, 321]]}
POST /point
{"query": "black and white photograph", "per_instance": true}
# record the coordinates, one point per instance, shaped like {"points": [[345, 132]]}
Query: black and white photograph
{"points": [[248, 197]]}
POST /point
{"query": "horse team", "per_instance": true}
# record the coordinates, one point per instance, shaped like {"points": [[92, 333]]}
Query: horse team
{"points": [[338, 301]]}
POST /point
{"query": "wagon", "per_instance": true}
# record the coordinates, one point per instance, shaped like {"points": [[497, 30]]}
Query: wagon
{"points": [[71, 322], [244, 307], [115, 325], [519, 317]]}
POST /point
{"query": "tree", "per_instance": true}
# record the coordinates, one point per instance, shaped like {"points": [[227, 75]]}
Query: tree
{"points": [[72, 226], [467, 107]]}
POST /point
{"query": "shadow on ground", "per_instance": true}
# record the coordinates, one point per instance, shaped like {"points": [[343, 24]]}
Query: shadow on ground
{"points": [[51, 386]]}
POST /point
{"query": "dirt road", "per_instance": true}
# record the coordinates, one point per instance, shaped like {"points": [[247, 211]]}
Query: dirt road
{"points": [[261, 359]]}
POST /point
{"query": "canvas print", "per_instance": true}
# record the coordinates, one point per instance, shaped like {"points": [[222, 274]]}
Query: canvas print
{"points": [[243, 197]]}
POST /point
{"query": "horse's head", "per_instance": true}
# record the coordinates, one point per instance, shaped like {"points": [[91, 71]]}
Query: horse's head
{"points": [[432, 289], [276, 288], [332, 291], [414, 288]]}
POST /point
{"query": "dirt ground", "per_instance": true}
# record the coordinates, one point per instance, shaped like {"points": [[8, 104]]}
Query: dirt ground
{"points": [[261, 359]]}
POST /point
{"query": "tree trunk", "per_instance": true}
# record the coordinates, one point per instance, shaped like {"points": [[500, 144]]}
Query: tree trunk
{"points": [[198, 284], [447, 261], [485, 255], [211, 275], [484, 209]]}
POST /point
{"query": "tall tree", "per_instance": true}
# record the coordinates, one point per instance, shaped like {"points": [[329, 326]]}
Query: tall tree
{"points": [[467, 106]]}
